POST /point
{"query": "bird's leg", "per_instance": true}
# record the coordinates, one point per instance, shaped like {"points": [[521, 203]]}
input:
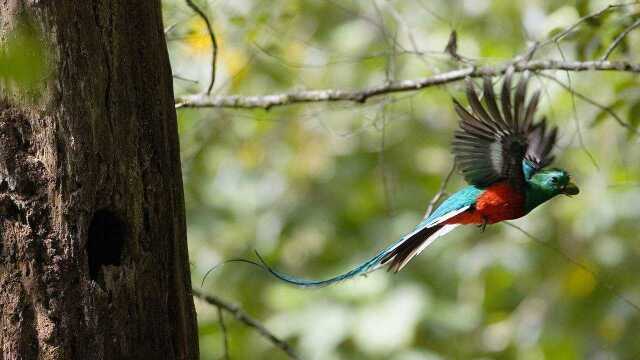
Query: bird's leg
{"points": [[485, 221]]}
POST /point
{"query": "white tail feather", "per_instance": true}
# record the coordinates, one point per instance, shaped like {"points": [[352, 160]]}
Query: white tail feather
{"points": [[415, 252]]}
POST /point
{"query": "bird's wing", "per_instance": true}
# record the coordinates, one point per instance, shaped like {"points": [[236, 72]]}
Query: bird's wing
{"points": [[400, 252], [541, 142], [494, 141]]}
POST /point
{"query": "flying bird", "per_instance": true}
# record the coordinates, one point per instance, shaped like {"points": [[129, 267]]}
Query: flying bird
{"points": [[502, 152]]}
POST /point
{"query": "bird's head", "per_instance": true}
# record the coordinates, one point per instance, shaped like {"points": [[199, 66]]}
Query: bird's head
{"points": [[554, 182]]}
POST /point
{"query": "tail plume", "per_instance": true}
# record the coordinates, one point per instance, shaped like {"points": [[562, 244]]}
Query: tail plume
{"points": [[411, 248], [397, 255]]}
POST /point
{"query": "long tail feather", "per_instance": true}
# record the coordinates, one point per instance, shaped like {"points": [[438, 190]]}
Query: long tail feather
{"points": [[231, 261], [364, 268], [397, 255]]}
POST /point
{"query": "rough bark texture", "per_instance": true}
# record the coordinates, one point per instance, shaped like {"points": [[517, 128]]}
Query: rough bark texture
{"points": [[93, 255]]}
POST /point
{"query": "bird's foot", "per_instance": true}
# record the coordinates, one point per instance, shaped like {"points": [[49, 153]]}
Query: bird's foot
{"points": [[484, 224]]}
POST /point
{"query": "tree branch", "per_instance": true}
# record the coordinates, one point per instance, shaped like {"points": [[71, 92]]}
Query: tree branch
{"points": [[619, 39], [214, 43], [243, 317], [586, 18], [225, 339], [332, 95]]}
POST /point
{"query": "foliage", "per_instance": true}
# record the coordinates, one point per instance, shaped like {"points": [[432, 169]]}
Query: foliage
{"points": [[22, 59], [317, 188]]}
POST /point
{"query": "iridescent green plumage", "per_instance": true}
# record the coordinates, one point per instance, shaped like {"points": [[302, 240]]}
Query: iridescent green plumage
{"points": [[546, 184]]}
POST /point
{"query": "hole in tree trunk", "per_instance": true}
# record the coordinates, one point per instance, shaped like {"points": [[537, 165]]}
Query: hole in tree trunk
{"points": [[107, 234]]}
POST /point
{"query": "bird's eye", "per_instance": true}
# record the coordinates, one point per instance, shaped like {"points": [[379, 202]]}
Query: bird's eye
{"points": [[554, 180]]}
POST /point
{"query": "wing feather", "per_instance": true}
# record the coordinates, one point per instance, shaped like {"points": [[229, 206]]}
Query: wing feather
{"points": [[490, 100], [505, 97], [493, 142]]}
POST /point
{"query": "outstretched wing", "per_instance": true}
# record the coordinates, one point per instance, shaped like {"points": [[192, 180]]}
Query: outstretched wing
{"points": [[541, 142], [493, 141]]}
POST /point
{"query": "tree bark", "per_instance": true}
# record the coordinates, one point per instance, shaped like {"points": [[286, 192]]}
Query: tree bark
{"points": [[93, 253]]}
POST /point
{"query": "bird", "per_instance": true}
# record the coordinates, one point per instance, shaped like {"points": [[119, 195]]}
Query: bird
{"points": [[503, 151]]}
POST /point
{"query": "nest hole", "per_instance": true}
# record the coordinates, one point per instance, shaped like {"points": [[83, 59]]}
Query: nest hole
{"points": [[107, 235]]}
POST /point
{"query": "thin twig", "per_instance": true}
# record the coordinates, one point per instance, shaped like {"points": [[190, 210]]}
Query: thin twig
{"points": [[441, 191], [574, 109], [214, 43], [619, 39], [386, 186], [434, 14], [389, 74], [391, 40], [331, 95], [185, 79], [585, 18], [351, 12], [225, 338], [531, 51], [170, 28], [345, 60], [243, 317], [580, 265], [412, 38], [589, 100]]}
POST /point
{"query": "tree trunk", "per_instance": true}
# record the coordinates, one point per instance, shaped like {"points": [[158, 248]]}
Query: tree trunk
{"points": [[93, 253]]}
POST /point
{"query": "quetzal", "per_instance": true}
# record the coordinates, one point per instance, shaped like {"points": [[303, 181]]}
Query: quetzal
{"points": [[502, 153]]}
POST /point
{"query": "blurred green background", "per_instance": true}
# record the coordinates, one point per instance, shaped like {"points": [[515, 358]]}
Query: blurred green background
{"points": [[317, 188]]}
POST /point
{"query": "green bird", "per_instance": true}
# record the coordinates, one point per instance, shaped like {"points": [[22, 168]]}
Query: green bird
{"points": [[503, 153]]}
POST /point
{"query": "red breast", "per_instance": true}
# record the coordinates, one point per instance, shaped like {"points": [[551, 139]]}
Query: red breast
{"points": [[498, 202]]}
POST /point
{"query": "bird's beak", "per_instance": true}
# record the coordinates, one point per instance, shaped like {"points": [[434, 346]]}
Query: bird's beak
{"points": [[570, 189]]}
